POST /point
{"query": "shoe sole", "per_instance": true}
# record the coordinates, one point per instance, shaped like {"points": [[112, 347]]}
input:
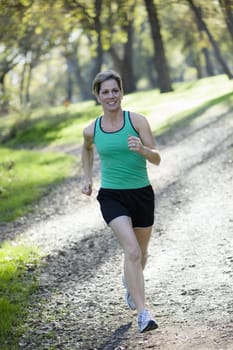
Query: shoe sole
{"points": [[151, 325]]}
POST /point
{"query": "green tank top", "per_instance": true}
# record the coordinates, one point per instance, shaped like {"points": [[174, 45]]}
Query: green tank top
{"points": [[120, 167]]}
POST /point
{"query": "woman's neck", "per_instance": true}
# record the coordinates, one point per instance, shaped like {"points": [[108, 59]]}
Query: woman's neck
{"points": [[112, 121], [113, 115]]}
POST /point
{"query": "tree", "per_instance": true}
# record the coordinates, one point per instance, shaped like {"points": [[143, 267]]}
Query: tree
{"points": [[8, 60], [204, 49], [119, 39], [10, 54], [86, 16], [197, 12], [161, 64], [227, 9], [30, 35], [75, 72]]}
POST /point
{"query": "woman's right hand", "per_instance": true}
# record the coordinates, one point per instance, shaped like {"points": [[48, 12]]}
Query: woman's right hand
{"points": [[87, 189]]}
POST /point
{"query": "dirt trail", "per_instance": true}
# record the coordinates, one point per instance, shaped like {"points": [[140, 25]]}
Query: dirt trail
{"points": [[189, 274]]}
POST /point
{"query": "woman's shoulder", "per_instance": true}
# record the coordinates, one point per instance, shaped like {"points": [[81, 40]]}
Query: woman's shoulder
{"points": [[89, 130], [137, 119]]}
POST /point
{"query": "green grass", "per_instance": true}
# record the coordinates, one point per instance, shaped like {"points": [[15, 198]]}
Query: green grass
{"points": [[57, 126], [16, 286], [186, 117], [185, 96], [26, 175]]}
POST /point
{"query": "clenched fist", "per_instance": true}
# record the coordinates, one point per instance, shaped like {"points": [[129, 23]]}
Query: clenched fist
{"points": [[87, 189]]}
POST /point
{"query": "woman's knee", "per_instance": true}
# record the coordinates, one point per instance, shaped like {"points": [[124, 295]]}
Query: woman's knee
{"points": [[134, 254]]}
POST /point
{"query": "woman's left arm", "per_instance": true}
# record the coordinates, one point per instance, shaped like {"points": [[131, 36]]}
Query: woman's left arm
{"points": [[145, 144]]}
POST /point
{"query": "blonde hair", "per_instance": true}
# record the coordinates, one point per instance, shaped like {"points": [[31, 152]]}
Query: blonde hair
{"points": [[103, 76]]}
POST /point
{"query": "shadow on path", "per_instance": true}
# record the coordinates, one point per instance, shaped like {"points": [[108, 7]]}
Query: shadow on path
{"points": [[82, 259], [116, 337]]}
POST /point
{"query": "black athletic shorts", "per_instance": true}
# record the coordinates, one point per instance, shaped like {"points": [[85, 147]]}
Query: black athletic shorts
{"points": [[138, 204]]}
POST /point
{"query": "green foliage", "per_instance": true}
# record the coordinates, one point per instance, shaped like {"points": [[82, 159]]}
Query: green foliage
{"points": [[25, 176], [17, 283]]}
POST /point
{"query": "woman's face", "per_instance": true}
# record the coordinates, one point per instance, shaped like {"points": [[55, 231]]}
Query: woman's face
{"points": [[110, 95]]}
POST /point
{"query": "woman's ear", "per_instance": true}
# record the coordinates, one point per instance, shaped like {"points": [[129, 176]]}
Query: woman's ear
{"points": [[122, 94], [97, 97]]}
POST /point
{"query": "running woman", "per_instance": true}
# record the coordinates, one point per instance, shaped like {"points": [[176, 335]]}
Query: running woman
{"points": [[125, 143]]}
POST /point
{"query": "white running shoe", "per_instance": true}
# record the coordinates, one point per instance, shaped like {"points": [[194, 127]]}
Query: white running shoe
{"points": [[145, 322], [128, 298]]}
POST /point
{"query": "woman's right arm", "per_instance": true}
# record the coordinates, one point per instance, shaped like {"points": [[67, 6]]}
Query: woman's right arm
{"points": [[87, 158]]}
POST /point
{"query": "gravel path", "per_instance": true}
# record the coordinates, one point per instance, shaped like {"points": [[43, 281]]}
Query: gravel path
{"points": [[80, 303]]}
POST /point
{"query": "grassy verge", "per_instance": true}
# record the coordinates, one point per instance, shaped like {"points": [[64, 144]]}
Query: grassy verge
{"points": [[53, 127], [16, 286], [181, 119], [25, 176]]}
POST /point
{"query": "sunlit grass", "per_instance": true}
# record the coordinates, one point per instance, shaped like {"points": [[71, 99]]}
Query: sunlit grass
{"points": [[26, 175], [55, 126], [185, 117], [184, 97], [16, 286]]}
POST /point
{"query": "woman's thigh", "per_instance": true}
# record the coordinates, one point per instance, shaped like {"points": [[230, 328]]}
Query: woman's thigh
{"points": [[122, 227], [143, 235]]}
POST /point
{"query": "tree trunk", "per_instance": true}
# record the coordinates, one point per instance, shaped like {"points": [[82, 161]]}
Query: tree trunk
{"points": [[70, 71], [198, 66], [22, 82], [84, 91], [151, 74], [127, 64], [74, 72], [98, 28], [227, 8], [4, 102], [204, 27], [123, 59], [24, 95], [5, 67], [28, 83], [161, 65], [208, 64]]}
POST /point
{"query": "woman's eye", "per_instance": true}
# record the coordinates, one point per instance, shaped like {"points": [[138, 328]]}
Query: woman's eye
{"points": [[106, 92]]}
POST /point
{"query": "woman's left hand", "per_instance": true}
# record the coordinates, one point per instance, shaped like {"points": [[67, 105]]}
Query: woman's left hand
{"points": [[135, 144]]}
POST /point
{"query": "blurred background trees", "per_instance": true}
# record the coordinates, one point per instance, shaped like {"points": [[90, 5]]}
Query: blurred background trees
{"points": [[50, 51]]}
